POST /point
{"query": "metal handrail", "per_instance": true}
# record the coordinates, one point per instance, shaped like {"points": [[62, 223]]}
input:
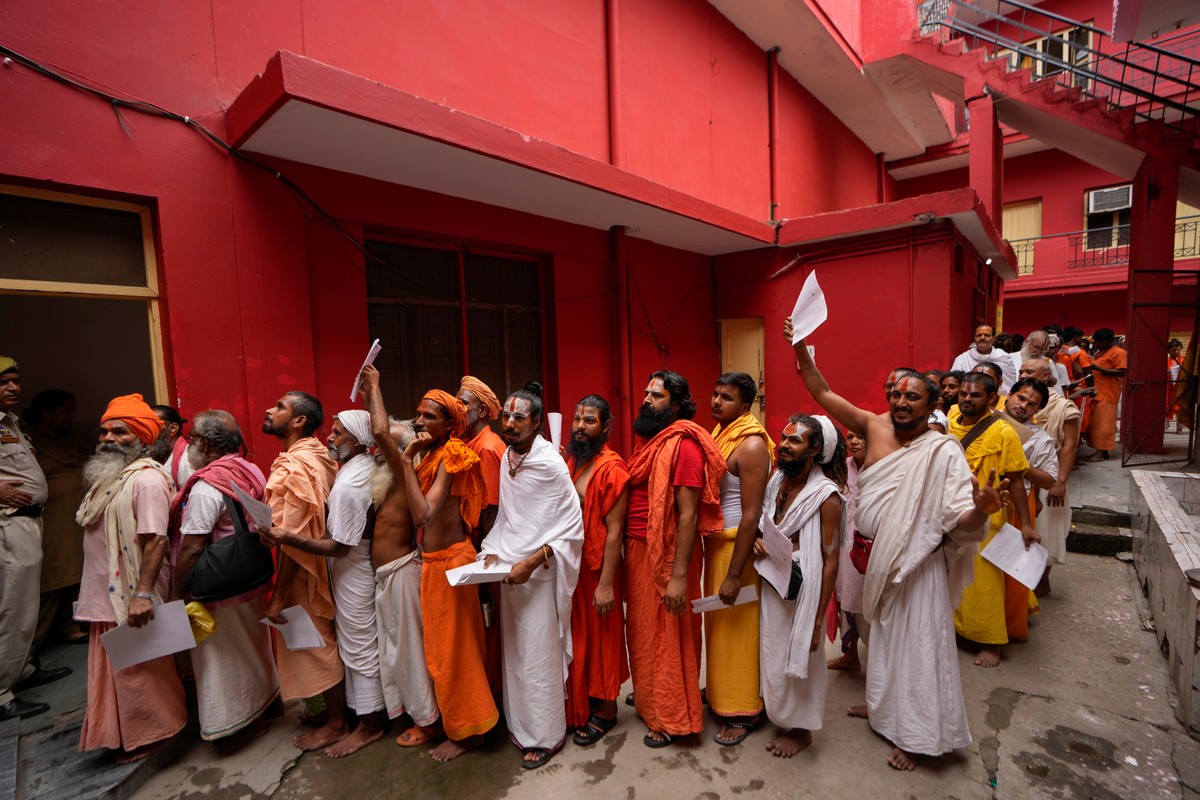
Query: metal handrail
{"points": [[1180, 222]]}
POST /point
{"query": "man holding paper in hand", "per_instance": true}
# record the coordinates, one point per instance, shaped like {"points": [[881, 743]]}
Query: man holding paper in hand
{"points": [[539, 531], [804, 502], [922, 512], [124, 518]]}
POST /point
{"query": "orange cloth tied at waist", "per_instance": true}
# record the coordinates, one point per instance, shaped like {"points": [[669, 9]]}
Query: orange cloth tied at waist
{"points": [[609, 478], [463, 465], [296, 490], [653, 464], [137, 414]]}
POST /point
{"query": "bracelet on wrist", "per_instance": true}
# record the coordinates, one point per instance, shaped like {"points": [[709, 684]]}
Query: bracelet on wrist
{"points": [[143, 595]]}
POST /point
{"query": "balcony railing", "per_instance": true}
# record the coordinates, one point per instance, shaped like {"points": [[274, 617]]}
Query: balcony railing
{"points": [[1098, 247]]}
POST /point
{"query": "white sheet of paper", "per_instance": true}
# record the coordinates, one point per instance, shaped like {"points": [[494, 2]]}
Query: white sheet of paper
{"points": [[1007, 551], [259, 511], [810, 310], [476, 572], [713, 601], [554, 420], [368, 361], [776, 566], [299, 633], [169, 632]]}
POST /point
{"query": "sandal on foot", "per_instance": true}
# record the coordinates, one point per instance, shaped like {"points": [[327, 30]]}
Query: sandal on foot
{"points": [[540, 757], [629, 699], [743, 729], [650, 741], [593, 731]]}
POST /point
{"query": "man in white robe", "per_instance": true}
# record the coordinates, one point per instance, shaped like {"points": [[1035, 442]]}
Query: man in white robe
{"points": [[539, 531], [347, 545], [1028, 398], [983, 350], [924, 512], [803, 502]]}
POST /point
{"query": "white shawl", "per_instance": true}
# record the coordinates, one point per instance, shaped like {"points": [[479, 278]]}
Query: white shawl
{"points": [[350, 500], [906, 502], [803, 518]]}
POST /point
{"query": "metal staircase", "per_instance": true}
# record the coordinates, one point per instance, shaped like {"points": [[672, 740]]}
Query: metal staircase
{"points": [[1142, 82]]}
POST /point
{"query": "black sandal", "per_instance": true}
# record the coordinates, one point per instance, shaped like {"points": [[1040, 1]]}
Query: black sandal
{"points": [[541, 757], [593, 731], [650, 741], [743, 730]]}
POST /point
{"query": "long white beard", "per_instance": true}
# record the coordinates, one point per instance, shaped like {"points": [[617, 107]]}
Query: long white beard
{"points": [[104, 467], [382, 481]]}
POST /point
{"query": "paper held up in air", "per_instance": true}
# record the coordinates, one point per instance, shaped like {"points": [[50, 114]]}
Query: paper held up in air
{"points": [[713, 601], [810, 310], [368, 361], [478, 572], [169, 632], [259, 511], [1007, 551], [554, 420], [299, 633]]}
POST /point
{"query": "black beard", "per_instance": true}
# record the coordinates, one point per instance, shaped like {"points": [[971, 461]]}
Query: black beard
{"points": [[905, 426], [649, 423], [160, 448], [792, 469], [586, 450]]}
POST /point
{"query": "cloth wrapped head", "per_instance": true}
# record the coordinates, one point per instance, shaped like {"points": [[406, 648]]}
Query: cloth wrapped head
{"points": [[358, 424], [454, 406], [487, 398], [829, 438], [137, 414], [9, 364]]}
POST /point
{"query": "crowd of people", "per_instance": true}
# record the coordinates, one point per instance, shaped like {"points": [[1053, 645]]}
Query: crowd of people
{"points": [[601, 557]]}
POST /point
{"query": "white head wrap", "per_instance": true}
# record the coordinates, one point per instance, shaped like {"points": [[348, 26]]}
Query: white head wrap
{"points": [[829, 438], [358, 424]]}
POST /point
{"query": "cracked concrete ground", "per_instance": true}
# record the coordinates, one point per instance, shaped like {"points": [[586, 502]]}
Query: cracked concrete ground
{"points": [[1081, 711]]}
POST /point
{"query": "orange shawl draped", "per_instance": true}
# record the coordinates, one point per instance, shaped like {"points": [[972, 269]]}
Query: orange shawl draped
{"points": [[653, 464], [296, 491], [467, 484], [609, 477]]}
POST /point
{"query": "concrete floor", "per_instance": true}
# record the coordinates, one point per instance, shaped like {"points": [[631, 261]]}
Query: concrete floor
{"points": [[1081, 711]]}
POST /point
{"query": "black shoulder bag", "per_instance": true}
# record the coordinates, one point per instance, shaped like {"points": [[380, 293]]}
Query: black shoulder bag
{"points": [[233, 565]]}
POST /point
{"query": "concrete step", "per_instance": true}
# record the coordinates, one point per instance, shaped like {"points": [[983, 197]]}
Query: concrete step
{"points": [[1099, 540]]}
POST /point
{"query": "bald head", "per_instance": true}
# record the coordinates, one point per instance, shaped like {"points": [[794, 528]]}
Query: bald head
{"points": [[1036, 344], [1039, 369]]}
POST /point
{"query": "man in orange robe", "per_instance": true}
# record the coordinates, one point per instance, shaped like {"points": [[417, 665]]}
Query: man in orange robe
{"points": [[675, 497], [1108, 369], [599, 666], [297, 488], [446, 493]]}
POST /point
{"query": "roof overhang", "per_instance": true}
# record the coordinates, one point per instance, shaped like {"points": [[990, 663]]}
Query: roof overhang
{"points": [[309, 112], [961, 207]]}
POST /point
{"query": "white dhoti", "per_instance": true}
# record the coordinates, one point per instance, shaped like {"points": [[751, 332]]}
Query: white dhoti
{"points": [[235, 670], [790, 702], [535, 656], [353, 583], [914, 691], [401, 636]]}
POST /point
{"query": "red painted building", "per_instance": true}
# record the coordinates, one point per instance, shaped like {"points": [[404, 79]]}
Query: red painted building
{"points": [[579, 192]]}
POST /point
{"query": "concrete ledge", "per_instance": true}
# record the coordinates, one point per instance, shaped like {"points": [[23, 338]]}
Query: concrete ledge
{"points": [[1165, 545]]}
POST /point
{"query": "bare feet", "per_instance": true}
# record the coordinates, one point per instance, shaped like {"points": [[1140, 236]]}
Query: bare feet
{"points": [[788, 744], [450, 749], [323, 736], [898, 759], [988, 657], [857, 711], [847, 661], [363, 735]]}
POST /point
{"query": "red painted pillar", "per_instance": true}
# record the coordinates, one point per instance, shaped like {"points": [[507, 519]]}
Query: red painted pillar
{"points": [[1148, 323], [986, 156]]}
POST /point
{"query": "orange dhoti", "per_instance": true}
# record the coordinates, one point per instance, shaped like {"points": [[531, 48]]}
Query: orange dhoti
{"points": [[664, 649], [138, 706], [308, 673], [1102, 429], [454, 645], [598, 665]]}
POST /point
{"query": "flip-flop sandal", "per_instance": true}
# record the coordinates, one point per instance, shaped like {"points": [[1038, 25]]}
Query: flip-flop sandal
{"points": [[540, 758], [650, 741], [743, 728], [593, 731], [412, 737], [629, 699]]}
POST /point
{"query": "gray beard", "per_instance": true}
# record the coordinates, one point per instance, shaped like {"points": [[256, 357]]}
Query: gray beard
{"points": [[341, 454], [108, 462], [383, 480]]}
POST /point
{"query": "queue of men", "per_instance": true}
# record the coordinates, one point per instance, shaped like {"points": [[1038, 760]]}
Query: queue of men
{"points": [[601, 560]]}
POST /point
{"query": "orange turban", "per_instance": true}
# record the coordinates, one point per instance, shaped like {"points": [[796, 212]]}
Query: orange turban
{"points": [[134, 412], [457, 411], [481, 390]]}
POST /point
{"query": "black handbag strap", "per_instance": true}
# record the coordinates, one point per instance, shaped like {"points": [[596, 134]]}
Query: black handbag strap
{"points": [[978, 430], [236, 515]]}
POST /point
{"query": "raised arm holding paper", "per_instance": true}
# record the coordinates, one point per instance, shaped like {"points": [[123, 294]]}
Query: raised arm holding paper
{"points": [[923, 510]]}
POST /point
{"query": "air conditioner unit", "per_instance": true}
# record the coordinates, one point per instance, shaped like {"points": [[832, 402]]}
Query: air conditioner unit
{"points": [[1104, 201]]}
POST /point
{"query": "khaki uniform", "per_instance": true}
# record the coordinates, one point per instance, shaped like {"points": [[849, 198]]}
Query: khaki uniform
{"points": [[20, 556]]}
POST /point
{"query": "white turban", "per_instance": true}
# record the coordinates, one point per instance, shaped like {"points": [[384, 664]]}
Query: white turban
{"points": [[358, 424], [829, 438]]}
